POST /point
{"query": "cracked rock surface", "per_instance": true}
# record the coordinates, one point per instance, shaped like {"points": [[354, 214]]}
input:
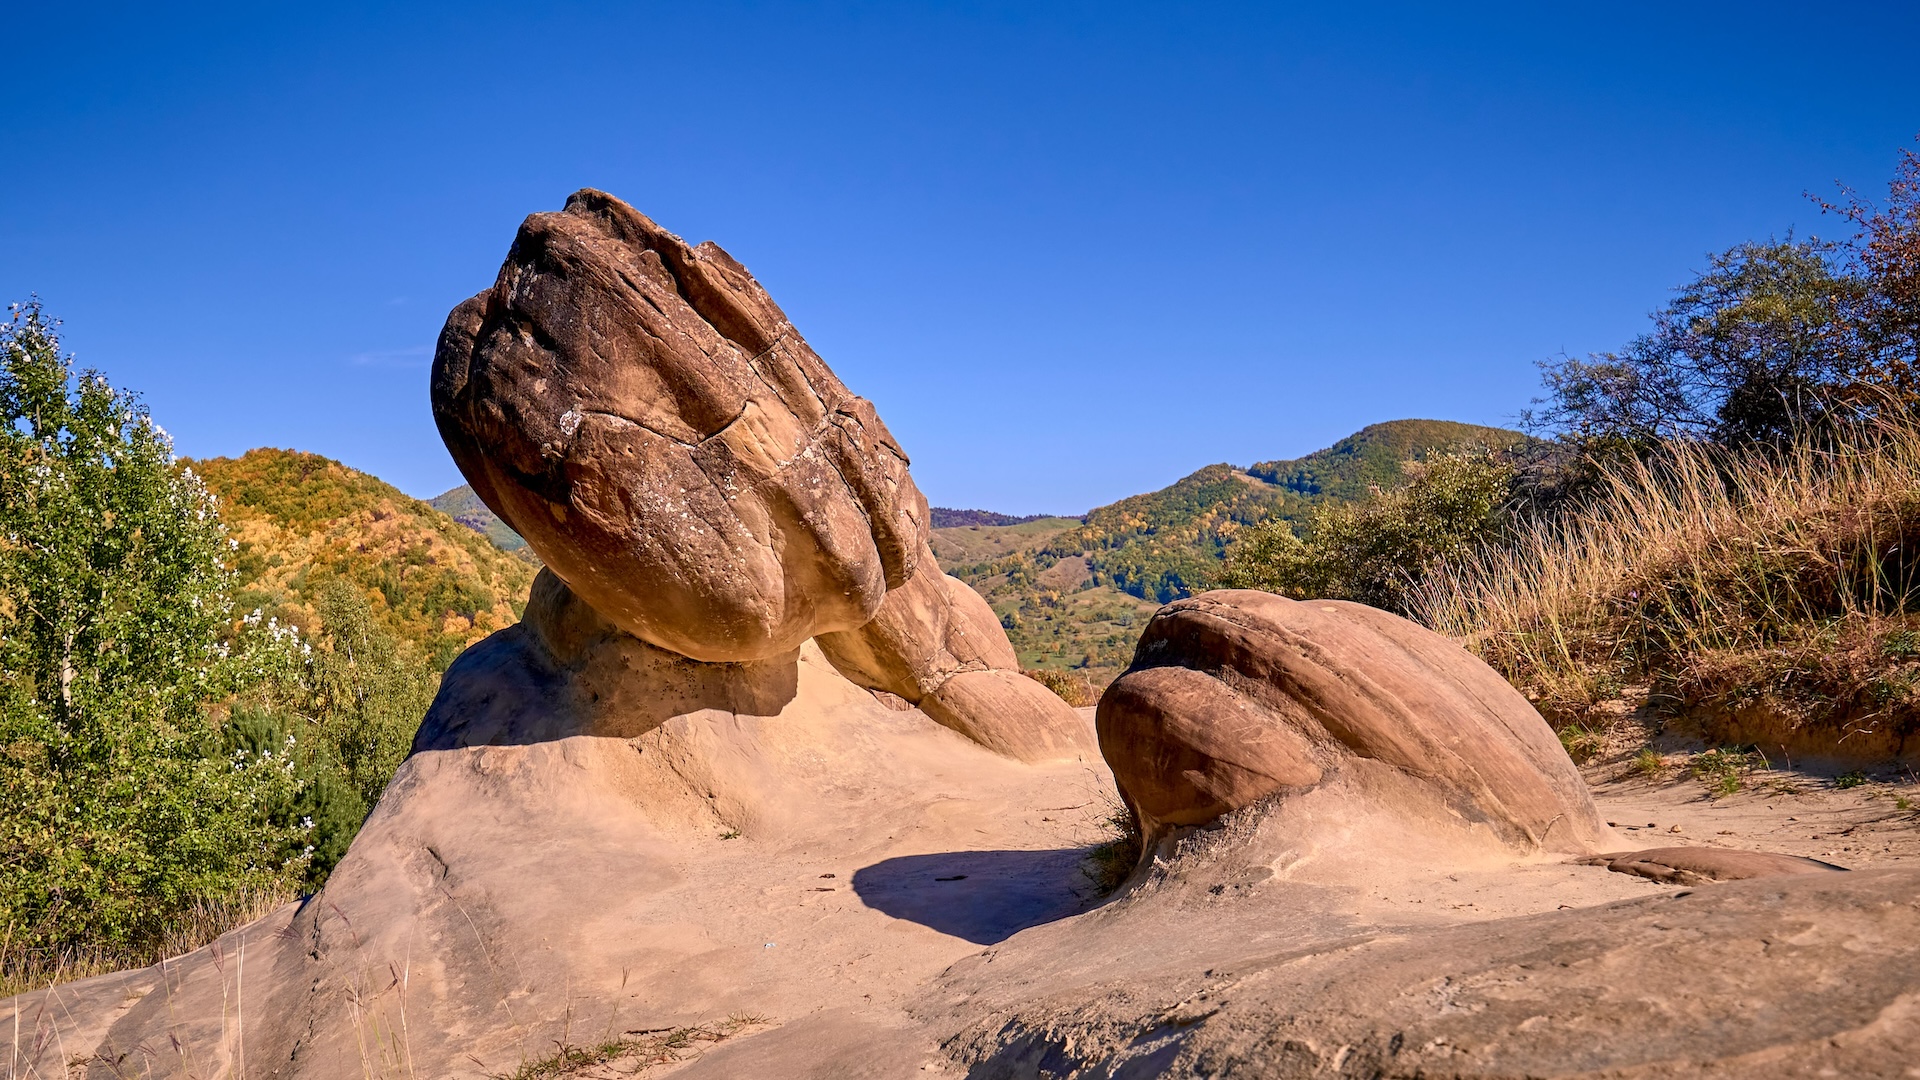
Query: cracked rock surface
{"points": [[669, 445]]}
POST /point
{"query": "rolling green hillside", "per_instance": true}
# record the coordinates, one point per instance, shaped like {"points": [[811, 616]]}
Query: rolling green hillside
{"points": [[1072, 594], [463, 506], [1167, 543]]}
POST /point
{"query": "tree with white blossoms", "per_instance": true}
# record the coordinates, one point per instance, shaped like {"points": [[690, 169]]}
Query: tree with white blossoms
{"points": [[123, 803]]}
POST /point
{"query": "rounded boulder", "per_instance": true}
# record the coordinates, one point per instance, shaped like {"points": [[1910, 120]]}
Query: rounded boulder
{"points": [[1237, 696]]}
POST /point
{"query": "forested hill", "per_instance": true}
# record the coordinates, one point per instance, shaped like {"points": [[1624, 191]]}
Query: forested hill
{"points": [[1376, 456], [303, 520], [946, 518], [1162, 544], [465, 507], [1072, 594]]}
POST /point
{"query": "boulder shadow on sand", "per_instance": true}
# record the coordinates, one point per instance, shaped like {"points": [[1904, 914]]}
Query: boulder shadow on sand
{"points": [[984, 897]]}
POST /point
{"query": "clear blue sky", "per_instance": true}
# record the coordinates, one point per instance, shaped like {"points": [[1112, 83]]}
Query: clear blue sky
{"points": [[1071, 251]]}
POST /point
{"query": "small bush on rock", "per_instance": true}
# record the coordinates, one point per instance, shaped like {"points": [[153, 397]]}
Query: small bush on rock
{"points": [[1073, 687]]}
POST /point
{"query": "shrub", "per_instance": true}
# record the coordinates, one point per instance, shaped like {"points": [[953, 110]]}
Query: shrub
{"points": [[123, 808], [1377, 552], [1112, 861], [1073, 687], [1582, 743], [1724, 769]]}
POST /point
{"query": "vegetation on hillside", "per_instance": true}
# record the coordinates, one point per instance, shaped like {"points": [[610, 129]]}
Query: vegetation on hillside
{"points": [[208, 670], [942, 517], [1055, 616], [1742, 546], [1169, 543], [1378, 551], [1376, 457], [124, 805], [465, 507], [1766, 592], [303, 521], [1073, 593]]}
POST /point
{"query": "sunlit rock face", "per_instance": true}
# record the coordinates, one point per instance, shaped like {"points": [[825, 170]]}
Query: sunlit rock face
{"points": [[936, 644], [645, 415]]}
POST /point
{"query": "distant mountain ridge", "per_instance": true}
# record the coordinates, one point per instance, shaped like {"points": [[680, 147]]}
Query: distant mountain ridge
{"points": [[465, 507], [945, 518], [1073, 594]]}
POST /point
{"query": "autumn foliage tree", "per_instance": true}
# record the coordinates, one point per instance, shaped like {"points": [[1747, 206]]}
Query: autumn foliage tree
{"points": [[1771, 341]]}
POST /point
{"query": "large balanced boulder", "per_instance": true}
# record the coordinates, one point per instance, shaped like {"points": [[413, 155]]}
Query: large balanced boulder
{"points": [[703, 490], [645, 415], [936, 644], [1238, 696]]}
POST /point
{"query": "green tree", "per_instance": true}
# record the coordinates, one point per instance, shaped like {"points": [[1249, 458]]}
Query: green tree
{"points": [[1881, 321], [122, 805], [1377, 552], [1745, 354], [370, 689]]}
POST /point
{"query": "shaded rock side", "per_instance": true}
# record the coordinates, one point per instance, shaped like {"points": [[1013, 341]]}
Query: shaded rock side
{"points": [[936, 643], [1236, 696], [565, 670], [668, 444]]}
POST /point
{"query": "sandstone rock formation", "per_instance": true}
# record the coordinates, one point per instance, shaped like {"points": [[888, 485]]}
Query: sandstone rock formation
{"points": [[936, 643], [565, 670], [1804, 976], [1235, 696], [627, 820], [646, 417]]}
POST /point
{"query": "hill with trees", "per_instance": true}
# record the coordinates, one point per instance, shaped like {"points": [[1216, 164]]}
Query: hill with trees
{"points": [[1073, 592], [465, 507], [302, 520]]}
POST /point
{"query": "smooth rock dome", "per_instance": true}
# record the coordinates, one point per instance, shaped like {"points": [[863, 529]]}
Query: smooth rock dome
{"points": [[1235, 696]]}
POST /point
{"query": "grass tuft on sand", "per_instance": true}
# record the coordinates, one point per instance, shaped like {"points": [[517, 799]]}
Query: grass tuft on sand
{"points": [[1776, 596]]}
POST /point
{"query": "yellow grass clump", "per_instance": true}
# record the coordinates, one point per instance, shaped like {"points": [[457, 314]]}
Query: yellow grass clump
{"points": [[22, 970], [1772, 596]]}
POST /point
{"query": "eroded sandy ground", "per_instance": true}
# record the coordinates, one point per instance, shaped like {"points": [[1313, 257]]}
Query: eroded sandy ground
{"points": [[1874, 822], [933, 919]]}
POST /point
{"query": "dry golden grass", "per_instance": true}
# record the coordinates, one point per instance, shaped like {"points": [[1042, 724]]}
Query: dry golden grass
{"points": [[22, 970], [1076, 688], [1780, 590]]}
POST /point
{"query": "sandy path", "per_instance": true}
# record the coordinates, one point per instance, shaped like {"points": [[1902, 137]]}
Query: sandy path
{"points": [[1791, 811]]}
